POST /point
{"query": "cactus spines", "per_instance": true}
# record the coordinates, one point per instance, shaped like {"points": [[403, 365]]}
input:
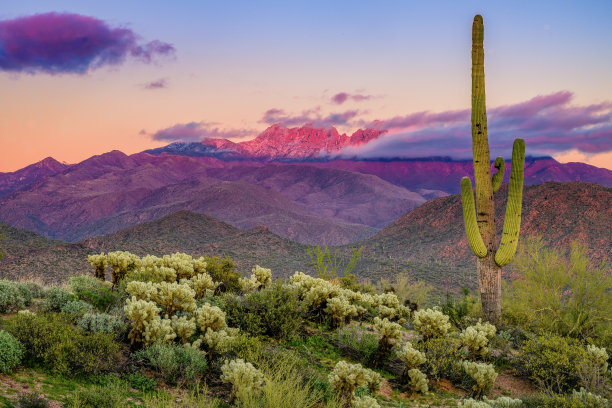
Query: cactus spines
{"points": [[479, 217]]}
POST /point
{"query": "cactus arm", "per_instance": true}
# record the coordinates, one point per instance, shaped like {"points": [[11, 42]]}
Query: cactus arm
{"points": [[469, 218], [512, 221], [499, 176]]}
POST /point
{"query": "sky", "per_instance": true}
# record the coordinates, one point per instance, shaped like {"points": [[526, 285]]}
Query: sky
{"points": [[80, 78]]}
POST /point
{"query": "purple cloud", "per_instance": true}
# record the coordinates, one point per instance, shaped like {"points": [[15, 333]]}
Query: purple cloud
{"points": [[159, 84], [56, 43], [197, 131], [548, 123], [311, 117], [342, 97]]}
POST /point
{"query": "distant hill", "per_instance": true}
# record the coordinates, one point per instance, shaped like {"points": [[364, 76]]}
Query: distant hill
{"points": [[428, 243]]}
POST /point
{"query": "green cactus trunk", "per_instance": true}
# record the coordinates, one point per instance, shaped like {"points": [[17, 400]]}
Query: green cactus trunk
{"points": [[480, 227]]}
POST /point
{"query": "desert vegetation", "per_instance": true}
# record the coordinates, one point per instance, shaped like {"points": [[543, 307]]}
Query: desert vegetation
{"points": [[181, 331]]}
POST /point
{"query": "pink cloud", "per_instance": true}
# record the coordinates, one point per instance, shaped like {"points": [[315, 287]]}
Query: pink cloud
{"points": [[311, 117], [56, 43], [197, 131], [159, 84], [342, 97]]}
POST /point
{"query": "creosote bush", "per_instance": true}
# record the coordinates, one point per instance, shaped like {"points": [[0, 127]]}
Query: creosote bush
{"points": [[93, 291], [174, 362], [444, 357], [246, 380], [11, 352]]}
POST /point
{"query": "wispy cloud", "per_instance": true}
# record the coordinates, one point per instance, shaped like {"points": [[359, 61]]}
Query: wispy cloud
{"points": [[342, 97], [59, 43], [311, 117], [197, 131], [549, 124], [159, 84]]}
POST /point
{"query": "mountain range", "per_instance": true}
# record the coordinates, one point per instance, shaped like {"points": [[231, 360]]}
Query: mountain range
{"points": [[428, 243], [286, 179]]}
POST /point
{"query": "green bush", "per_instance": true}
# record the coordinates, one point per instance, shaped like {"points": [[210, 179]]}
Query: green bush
{"points": [[444, 358], [74, 309], [578, 399], [56, 298], [551, 361], [363, 343], [37, 290], [13, 297], [174, 362], [141, 382], [11, 352], [58, 345], [461, 311], [560, 292], [102, 323], [222, 270], [93, 291], [274, 311], [112, 395], [31, 400]]}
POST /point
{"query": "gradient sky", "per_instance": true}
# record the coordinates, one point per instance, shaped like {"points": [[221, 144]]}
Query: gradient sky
{"points": [[152, 72]]}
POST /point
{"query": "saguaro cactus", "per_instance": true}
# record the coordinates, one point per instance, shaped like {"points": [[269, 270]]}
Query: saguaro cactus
{"points": [[480, 226]]}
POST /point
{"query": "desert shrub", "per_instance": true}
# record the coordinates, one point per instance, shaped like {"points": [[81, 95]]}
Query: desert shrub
{"points": [[56, 298], [431, 323], [12, 296], [476, 338], [93, 291], [551, 362], [472, 403], [112, 395], [443, 358], [11, 352], [274, 311], [102, 323], [141, 382], [246, 380], [560, 292], [246, 347], [36, 289], [31, 400], [222, 270], [578, 399], [175, 363], [365, 344], [74, 309], [58, 345], [482, 375], [461, 310], [346, 378]]}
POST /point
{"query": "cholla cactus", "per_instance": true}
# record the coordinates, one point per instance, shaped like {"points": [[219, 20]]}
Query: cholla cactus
{"points": [[431, 323], [141, 290], [201, 283], [181, 263], [476, 338], [140, 313], [174, 297], [417, 381], [248, 284], [346, 377], [218, 341], [365, 402], [390, 334], [158, 331], [589, 399], [184, 327], [472, 403], [386, 312], [411, 357], [121, 262], [504, 402], [246, 380], [210, 317], [483, 374], [340, 309], [100, 262], [599, 357], [263, 275]]}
